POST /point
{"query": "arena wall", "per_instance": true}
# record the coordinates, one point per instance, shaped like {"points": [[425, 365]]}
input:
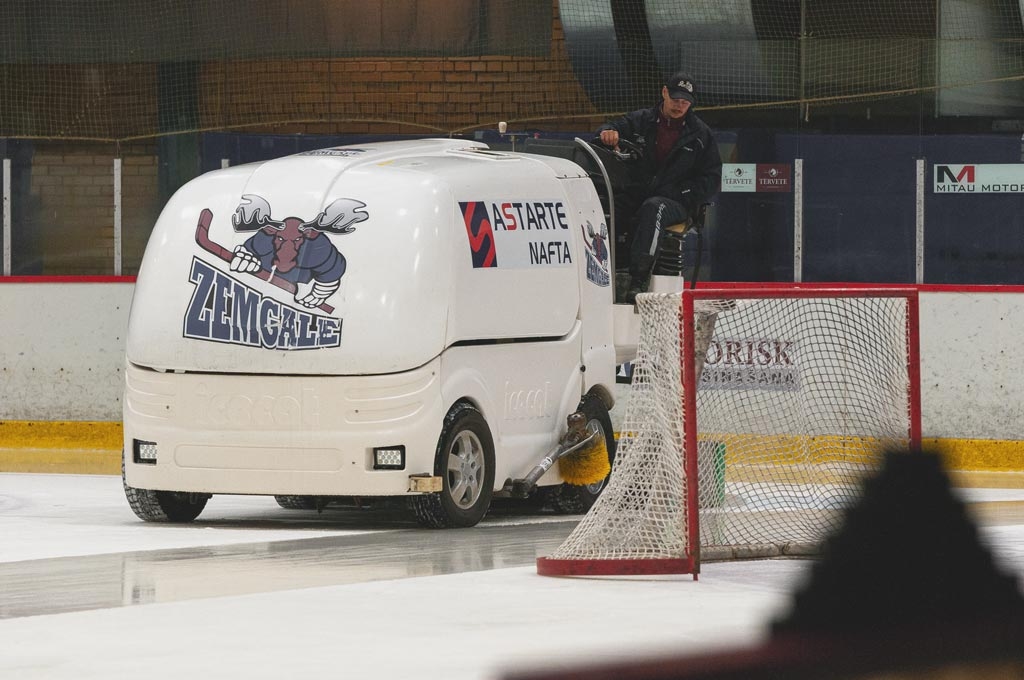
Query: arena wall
{"points": [[62, 356]]}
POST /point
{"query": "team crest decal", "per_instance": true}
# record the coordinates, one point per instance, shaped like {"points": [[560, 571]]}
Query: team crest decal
{"points": [[596, 242], [292, 254]]}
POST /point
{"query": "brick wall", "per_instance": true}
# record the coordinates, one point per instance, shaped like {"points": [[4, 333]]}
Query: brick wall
{"points": [[398, 96], [140, 202], [72, 207], [71, 217]]}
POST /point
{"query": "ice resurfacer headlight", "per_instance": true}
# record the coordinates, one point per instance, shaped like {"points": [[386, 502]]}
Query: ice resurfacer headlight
{"points": [[388, 457], [144, 452]]}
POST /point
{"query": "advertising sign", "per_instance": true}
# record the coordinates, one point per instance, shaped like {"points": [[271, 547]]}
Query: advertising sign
{"points": [[756, 177], [979, 178]]}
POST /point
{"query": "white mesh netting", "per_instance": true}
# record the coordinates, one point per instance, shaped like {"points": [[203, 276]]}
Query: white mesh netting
{"points": [[798, 398]]}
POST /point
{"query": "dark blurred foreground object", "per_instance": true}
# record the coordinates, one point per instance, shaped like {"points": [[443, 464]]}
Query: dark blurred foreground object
{"points": [[904, 590]]}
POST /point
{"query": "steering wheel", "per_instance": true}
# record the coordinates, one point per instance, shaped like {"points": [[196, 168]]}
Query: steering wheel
{"points": [[626, 151]]}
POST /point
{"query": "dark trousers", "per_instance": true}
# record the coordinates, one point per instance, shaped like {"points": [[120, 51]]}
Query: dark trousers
{"points": [[653, 215]]}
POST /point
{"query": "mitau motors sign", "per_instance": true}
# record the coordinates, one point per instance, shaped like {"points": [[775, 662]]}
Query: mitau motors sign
{"points": [[979, 178]]}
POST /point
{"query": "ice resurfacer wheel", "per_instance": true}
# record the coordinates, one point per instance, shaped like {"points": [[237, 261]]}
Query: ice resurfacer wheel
{"points": [[296, 502], [465, 462], [163, 506]]}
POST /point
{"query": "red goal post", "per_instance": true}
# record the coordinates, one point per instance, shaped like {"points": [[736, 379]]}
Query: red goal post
{"points": [[802, 388]]}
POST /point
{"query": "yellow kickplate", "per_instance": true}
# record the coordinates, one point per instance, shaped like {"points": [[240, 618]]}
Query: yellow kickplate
{"points": [[38, 434], [991, 455], [66, 461], [74, 447]]}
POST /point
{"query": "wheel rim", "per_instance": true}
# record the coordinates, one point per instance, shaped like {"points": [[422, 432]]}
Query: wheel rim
{"points": [[465, 469], [595, 426]]}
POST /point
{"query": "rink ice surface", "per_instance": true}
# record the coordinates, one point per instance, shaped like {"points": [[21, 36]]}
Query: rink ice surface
{"points": [[478, 623]]}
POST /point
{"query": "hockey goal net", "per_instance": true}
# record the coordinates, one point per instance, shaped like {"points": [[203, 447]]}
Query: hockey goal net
{"points": [[755, 446]]}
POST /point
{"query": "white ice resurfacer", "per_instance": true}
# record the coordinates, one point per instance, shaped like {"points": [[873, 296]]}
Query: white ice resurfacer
{"points": [[413, 320]]}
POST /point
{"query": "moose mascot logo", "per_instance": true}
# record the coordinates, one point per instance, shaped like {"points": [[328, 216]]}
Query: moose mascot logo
{"points": [[293, 248], [596, 242], [292, 254]]}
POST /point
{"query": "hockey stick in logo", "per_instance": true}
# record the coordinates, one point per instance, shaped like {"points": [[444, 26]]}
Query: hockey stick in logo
{"points": [[214, 248]]}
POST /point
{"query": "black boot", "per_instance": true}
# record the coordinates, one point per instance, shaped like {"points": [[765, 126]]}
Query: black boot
{"points": [[635, 288], [639, 275]]}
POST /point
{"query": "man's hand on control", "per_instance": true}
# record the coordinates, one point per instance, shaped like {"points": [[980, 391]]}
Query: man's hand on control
{"points": [[610, 138]]}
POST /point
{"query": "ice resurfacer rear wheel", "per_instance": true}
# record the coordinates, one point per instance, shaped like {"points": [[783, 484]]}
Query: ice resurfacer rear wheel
{"points": [[296, 502]]}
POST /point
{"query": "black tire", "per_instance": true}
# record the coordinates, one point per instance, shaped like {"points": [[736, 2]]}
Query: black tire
{"points": [[296, 502], [569, 499], [465, 462], [163, 506]]}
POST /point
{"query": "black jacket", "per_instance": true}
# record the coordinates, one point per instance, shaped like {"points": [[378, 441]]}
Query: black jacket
{"points": [[692, 173]]}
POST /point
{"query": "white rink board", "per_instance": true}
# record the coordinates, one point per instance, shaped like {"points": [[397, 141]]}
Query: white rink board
{"points": [[62, 350], [62, 355], [972, 385]]}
